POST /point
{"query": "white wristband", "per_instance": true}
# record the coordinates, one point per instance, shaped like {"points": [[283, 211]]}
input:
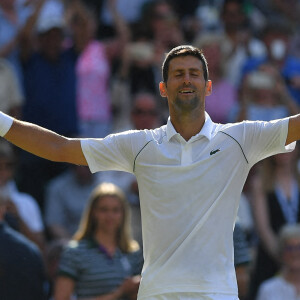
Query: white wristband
{"points": [[5, 123]]}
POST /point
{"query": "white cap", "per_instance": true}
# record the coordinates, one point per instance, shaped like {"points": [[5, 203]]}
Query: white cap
{"points": [[51, 16], [48, 23]]}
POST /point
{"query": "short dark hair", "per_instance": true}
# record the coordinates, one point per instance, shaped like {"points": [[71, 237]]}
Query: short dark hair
{"points": [[184, 50]]}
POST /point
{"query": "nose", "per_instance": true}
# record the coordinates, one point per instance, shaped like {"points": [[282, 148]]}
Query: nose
{"points": [[187, 79]]}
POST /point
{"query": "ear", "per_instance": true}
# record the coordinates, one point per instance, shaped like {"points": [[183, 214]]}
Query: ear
{"points": [[208, 88], [162, 89]]}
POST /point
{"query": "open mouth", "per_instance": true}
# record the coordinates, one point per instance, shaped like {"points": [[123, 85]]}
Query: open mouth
{"points": [[186, 92]]}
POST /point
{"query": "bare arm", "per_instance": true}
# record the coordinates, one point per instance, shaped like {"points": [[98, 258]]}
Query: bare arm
{"points": [[64, 287], [45, 143], [262, 218], [294, 129]]}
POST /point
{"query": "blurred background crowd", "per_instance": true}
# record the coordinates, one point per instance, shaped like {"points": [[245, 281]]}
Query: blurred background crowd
{"points": [[88, 68]]}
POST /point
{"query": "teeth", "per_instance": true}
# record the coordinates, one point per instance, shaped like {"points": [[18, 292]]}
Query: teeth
{"points": [[186, 92]]}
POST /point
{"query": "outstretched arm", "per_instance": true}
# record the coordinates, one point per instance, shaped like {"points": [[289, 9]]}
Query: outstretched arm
{"points": [[294, 129], [42, 142]]}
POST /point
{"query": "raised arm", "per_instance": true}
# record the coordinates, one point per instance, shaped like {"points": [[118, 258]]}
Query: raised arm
{"points": [[41, 142], [294, 129]]}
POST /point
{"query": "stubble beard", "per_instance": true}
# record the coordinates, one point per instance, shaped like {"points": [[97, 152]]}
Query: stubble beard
{"points": [[185, 106]]}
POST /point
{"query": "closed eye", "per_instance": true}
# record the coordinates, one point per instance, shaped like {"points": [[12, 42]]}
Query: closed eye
{"points": [[178, 75]]}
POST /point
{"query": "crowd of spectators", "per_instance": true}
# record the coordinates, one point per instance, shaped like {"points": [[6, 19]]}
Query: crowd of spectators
{"points": [[89, 68]]}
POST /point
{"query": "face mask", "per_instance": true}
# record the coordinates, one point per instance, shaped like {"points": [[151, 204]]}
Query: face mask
{"points": [[278, 49]]}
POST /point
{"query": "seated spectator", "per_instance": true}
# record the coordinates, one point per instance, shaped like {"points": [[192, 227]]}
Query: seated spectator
{"points": [[66, 197], [53, 251], [22, 274], [264, 97], [221, 101], [286, 284], [11, 97], [102, 259], [23, 212]]}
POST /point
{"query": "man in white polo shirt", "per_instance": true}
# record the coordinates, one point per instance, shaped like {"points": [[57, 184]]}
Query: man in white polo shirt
{"points": [[190, 174]]}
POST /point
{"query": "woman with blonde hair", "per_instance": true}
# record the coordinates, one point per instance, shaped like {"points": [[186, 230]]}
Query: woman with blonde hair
{"points": [[102, 262]]}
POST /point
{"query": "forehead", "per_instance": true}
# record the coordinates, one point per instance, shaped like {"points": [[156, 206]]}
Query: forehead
{"points": [[108, 201], [185, 63]]}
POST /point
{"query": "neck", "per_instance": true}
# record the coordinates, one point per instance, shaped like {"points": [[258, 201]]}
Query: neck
{"points": [[187, 125], [106, 239], [292, 276]]}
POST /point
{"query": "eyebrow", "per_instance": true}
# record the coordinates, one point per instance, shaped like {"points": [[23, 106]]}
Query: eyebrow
{"points": [[190, 70]]}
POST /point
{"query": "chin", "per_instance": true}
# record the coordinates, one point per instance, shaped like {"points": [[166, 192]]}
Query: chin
{"points": [[187, 104]]}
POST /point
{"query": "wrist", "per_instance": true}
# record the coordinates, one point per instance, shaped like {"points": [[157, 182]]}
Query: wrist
{"points": [[5, 123]]}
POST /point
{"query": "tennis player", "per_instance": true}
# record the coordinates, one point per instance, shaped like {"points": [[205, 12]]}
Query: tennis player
{"points": [[190, 173]]}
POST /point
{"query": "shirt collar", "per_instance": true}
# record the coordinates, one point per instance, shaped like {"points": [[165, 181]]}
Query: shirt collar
{"points": [[91, 243], [205, 131]]}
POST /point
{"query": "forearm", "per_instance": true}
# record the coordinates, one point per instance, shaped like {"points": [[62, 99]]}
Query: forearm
{"points": [[42, 142], [36, 140]]}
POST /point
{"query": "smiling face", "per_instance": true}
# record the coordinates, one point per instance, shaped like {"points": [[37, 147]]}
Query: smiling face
{"points": [[185, 87]]}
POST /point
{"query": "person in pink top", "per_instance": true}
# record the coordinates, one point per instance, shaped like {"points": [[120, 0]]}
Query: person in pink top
{"points": [[93, 68]]}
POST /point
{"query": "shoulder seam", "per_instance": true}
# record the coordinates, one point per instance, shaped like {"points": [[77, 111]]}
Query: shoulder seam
{"points": [[139, 154], [237, 143]]}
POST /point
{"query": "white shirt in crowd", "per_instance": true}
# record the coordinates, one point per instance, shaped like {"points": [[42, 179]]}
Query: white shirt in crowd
{"points": [[277, 288]]}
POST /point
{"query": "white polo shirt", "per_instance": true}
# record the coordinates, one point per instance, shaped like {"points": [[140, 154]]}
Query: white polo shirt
{"points": [[189, 194]]}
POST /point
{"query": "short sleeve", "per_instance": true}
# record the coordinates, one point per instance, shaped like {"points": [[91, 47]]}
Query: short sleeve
{"points": [[263, 139], [136, 262], [70, 262], [265, 291], [115, 152]]}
